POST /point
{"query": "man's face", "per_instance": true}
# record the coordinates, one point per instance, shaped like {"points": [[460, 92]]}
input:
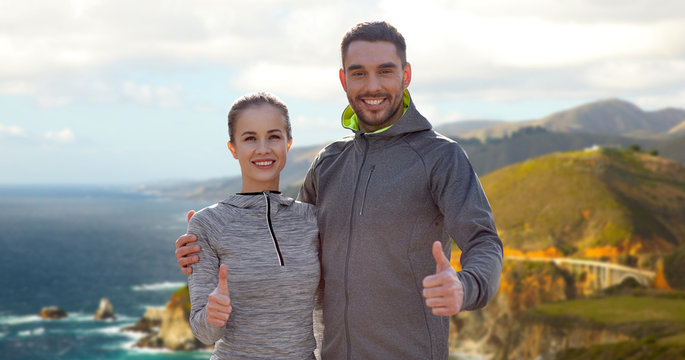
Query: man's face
{"points": [[374, 81]]}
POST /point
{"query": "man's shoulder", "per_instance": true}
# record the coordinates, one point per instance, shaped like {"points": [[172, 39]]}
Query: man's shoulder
{"points": [[335, 148], [429, 140]]}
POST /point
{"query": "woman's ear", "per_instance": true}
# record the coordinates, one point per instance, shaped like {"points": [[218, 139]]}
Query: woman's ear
{"points": [[232, 149], [290, 142]]}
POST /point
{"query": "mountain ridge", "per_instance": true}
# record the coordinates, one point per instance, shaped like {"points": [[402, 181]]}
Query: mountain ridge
{"points": [[611, 116]]}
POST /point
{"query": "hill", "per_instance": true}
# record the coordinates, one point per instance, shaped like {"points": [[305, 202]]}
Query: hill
{"points": [[627, 203], [501, 143], [608, 117], [531, 142]]}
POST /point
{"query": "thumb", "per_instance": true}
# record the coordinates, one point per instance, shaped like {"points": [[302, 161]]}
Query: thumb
{"points": [[441, 261], [223, 280], [190, 214]]}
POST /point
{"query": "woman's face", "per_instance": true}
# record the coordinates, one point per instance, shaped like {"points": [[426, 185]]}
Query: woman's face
{"points": [[260, 145]]}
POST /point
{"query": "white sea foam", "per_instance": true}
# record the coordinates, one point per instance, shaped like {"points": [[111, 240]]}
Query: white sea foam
{"points": [[19, 319], [166, 285], [32, 332]]}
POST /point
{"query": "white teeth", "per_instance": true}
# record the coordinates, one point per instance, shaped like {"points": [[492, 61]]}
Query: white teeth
{"points": [[373, 102], [264, 163]]}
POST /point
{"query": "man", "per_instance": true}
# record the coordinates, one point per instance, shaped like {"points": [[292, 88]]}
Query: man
{"points": [[389, 198]]}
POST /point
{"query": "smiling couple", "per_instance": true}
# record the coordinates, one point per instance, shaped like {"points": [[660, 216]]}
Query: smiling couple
{"points": [[368, 240]]}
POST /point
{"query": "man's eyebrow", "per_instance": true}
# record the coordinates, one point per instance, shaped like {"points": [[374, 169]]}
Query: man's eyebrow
{"points": [[354, 67], [386, 65]]}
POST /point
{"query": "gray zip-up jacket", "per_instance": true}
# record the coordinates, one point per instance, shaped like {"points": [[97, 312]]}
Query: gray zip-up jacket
{"points": [[382, 200], [269, 243]]}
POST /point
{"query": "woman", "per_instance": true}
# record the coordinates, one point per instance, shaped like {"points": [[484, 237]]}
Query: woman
{"points": [[252, 291]]}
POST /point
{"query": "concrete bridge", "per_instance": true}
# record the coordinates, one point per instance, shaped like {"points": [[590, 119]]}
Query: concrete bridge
{"points": [[604, 274]]}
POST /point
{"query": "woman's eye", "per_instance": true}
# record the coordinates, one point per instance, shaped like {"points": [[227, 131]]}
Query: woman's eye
{"points": [[275, 137], [250, 138]]}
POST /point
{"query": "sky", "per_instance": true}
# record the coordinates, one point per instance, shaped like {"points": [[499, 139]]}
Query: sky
{"points": [[136, 92]]}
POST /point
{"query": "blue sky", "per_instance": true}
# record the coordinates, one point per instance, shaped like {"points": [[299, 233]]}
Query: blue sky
{"points": [[133, 92]]}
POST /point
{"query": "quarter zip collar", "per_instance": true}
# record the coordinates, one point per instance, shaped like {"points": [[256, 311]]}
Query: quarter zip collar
{"points": [[268, 203], [255, 200]]}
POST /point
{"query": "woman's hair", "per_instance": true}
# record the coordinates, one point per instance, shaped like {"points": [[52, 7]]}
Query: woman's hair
{"points": [[254, 100]]}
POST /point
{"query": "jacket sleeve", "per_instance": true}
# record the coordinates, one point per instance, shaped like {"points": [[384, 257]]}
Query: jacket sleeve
{"points": [[469, 221], [201, 283]]}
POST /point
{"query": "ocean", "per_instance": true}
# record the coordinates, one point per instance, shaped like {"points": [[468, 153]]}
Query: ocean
{"points": [[71, 246]]}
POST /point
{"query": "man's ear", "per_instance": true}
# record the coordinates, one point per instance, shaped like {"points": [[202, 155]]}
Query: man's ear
{"points": [[406, 77], [232, 149], [343, 81]]}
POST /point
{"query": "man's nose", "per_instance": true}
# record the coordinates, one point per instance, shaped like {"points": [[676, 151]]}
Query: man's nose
{"points": [[373, 84]]}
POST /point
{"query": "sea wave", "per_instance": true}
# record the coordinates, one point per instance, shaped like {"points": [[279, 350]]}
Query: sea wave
{"points": [[79, 317], [166, 285], [19, 319], [32, 332]]}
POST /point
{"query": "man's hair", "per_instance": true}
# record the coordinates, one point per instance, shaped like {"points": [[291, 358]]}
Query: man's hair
{"points": [[254, 100], [375, 31]]}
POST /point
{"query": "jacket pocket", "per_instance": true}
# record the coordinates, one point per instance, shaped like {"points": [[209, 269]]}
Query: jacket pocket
{"points": [[366, 188]]}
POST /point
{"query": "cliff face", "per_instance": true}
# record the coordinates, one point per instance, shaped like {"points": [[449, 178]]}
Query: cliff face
{"points": [[534, 338], [505, 328], [522, 286], [172, 320]]}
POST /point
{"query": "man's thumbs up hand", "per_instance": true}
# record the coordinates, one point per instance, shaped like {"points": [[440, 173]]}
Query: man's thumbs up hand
{"points": [[219, 303], [443, 291]]}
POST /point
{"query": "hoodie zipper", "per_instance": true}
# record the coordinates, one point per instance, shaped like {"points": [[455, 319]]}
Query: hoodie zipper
{"points": [[271, 228], [349, 246]]}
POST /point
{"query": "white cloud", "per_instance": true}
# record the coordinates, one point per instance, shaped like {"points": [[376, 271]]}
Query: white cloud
{"points": [[312, 83], [146, 94], [12, 130], [64, 136], [64, 52]]}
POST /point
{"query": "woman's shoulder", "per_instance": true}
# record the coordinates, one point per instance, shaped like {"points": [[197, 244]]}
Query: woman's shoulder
{"points": [[304, 209], [211, 213]]}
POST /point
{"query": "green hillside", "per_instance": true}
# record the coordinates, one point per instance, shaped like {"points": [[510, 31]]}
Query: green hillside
{"points": [[583, 199]]}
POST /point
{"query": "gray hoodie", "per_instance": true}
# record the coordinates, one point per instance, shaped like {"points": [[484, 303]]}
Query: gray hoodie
{"points": [[269, 244], [382, 200]]}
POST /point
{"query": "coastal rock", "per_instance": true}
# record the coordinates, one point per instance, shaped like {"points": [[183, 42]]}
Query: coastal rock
{"points": [[105, 310], [52, 312], [174, 332], [149, 322]]}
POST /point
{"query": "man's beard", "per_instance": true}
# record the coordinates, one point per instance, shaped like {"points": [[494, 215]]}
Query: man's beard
{"points": [[378, 119]]}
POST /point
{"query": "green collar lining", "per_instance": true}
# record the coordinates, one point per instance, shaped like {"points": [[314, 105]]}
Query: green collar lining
{"points": [[350, 120]]}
